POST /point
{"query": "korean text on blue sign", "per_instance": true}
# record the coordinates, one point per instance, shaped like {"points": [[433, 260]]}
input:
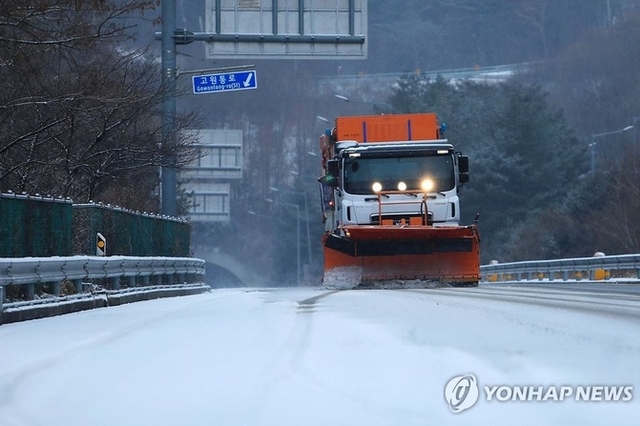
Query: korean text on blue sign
{"points": [[226, 82]]}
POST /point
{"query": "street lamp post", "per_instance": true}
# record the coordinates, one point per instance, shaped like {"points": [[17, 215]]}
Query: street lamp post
{"points": [[298, 238], [593, 143], [297, 207], [251, 212], [306, 219], [373, 104]]}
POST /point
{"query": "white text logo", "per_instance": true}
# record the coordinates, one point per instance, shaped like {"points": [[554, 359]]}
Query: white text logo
{"points": [[555, 393]]}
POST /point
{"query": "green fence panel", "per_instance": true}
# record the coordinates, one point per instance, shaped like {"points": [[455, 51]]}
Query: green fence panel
{"points": [[35, 226], [129, 233], [41, 226]]}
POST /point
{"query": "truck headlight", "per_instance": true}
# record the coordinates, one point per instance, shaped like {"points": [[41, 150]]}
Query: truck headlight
{"points": [[377, 187], [402, 186], [426, 185]]}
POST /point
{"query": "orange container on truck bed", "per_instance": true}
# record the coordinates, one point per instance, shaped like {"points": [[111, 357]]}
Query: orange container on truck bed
{"points": [[388, 128]]}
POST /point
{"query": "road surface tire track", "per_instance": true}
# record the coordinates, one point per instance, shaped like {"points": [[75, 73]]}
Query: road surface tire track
{"points": [[286, 363]]}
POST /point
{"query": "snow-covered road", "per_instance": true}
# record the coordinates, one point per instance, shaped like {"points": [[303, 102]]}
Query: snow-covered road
{"points": [[312, 357]]}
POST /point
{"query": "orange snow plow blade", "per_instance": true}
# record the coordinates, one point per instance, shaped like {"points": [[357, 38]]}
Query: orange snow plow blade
{"points": [[374, 256]]}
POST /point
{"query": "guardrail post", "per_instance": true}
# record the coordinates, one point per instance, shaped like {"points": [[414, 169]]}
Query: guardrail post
{"points": [[158, 279], [78, 285], [145, 280], [132, 281], [115, 283], [181, 278], [31, 291], [55, 288], [1, 302]]}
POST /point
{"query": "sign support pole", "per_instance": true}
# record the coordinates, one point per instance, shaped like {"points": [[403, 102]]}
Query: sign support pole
{"points": [[168, 195], [171, 37]]}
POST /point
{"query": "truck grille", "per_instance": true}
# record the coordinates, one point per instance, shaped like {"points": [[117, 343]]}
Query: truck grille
{"points": [[398, 217]]}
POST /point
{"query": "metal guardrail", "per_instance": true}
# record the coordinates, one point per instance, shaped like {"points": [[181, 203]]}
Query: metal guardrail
{"points": [[587, 268], [498, 72], [54, 270]]}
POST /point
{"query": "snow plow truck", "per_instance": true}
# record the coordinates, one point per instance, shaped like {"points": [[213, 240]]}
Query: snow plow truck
{"points": [[389, 193]]}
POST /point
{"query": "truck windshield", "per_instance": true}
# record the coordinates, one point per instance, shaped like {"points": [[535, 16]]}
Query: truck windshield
{"points": [[394, 173]]}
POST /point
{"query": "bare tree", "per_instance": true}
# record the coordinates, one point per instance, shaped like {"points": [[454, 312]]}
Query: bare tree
{"points": [[80, 112], [596, 81], [534, 12], [614, 224]]}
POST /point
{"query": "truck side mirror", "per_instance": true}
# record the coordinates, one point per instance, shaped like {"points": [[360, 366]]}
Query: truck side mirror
{"points": [[333, 172], [463, 168], [463, 164]]}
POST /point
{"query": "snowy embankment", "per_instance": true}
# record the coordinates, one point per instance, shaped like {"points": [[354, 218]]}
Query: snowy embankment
{"points": [[52, 306], [314, 357]]}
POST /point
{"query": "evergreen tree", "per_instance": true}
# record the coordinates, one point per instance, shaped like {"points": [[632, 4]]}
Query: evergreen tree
{"points": [[524, 158]]}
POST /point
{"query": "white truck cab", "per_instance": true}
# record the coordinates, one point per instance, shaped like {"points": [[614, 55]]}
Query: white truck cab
{"points": [[396, 183]]}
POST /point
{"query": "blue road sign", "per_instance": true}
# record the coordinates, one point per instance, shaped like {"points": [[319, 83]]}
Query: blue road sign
{"points": [[224, 82]]}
